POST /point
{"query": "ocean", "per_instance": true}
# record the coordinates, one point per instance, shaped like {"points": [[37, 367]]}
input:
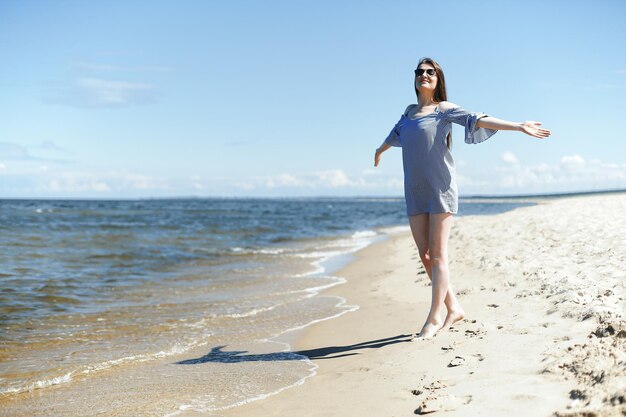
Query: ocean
{"points": [[93, 289]]}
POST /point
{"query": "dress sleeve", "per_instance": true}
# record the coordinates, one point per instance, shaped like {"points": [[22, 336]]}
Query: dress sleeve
{"points": [[468, 119], [393, 138]]}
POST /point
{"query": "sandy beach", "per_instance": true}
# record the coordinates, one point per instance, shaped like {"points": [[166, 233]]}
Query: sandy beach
{"points": [[543, 289]]}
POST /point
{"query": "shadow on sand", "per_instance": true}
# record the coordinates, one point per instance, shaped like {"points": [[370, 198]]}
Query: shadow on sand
{"points": [[217, 354]]}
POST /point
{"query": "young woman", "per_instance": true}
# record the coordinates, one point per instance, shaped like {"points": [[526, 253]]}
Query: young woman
{"points": [[430, 190]]}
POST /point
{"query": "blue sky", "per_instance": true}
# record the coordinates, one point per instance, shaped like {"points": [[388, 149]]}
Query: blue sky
{"points": [[122, 99]]}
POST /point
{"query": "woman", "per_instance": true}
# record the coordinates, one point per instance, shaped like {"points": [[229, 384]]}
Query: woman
{"points": [[430, 189]]}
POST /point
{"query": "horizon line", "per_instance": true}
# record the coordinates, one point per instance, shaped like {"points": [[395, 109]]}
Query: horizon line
{"points": [[471, 196]]}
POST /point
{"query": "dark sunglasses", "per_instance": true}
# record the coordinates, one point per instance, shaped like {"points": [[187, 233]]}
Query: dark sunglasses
{"points": [[429, 71]]}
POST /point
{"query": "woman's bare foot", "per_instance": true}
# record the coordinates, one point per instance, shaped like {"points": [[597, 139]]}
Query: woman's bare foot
{"points": [[452, 317], [428, 331]]}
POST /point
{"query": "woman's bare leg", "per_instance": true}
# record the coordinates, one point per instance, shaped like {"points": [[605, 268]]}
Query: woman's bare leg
{"points": [[420, 228], [439, 230]]}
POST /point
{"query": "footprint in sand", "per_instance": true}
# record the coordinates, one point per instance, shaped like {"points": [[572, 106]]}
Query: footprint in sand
{"points": [[475, 331], [442, 403], [457, 361], [431, 388]]}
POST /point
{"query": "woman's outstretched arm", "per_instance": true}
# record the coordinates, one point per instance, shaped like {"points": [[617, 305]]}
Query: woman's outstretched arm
{"points": [[529, 127], [379, 151]]}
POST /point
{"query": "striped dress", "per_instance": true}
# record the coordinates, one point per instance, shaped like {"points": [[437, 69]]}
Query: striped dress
{"points": [[429, 173]]}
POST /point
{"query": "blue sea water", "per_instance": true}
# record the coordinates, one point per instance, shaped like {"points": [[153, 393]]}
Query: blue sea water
{"points": [[89, 284], [68, 256]]}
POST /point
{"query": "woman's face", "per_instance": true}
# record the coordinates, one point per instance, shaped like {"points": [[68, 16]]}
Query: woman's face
{"points": [[426, 81]]}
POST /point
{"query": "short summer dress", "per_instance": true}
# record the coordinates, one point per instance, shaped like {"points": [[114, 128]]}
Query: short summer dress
{"points": [[429, 172]]}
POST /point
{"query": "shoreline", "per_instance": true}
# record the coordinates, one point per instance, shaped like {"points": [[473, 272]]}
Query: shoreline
{"points": [[544, 333], [516, 350], [78, 383]]}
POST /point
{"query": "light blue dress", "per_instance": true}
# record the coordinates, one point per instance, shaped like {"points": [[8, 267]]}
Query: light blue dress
{"points": [[429, 173]]}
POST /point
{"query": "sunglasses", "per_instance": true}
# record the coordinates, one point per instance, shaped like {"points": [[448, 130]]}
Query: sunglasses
{"points": [[428, 71]]}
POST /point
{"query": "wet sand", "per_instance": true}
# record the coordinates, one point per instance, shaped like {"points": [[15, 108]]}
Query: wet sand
{"points": [[544, 334]]}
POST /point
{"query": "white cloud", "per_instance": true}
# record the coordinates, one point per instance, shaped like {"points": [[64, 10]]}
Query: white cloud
{"points": [[572, 161], [322, 180], [570, 173], [48, 145], [197, 183], [283, 180], [131, 180], [115, 93], [42, 180], [92, 92], [10, 150], [509, 157], [68, 184], [370, 171], [88, 66], [27, 154], [468, 182], [90, 85], [247, 186], [334, 178]]}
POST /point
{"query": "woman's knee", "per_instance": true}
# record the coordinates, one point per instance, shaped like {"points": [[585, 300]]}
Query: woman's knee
{"points": [[424, 255], [438, 259]]}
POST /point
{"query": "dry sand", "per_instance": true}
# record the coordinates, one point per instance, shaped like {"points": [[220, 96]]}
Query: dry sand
{"points": [[543, 289]]}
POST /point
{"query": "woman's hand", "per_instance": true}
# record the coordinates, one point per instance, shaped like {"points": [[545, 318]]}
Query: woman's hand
{"points": [[379, 151], [377, 156], [532, 128]]}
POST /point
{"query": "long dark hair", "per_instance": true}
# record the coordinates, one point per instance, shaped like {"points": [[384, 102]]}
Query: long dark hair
{"points": [[440, 90]]}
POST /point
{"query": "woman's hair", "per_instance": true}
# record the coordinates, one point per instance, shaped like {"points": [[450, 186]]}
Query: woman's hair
{"points": [[440, 90]]}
